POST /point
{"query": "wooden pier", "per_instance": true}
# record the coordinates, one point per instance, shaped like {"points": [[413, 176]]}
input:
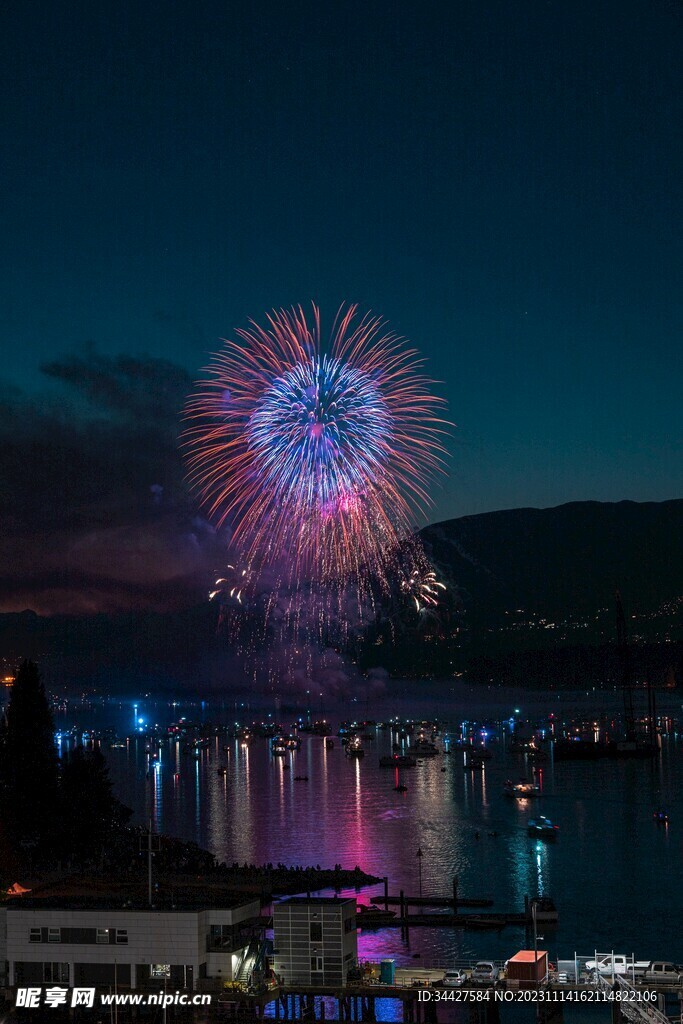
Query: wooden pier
{"points": [[357, 1002]]}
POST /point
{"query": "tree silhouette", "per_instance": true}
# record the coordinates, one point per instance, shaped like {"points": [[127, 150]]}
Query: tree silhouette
{"points": [[91, 816], [28, 765]]}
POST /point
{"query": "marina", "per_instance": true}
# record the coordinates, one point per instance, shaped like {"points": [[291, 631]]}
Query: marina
{"points": [[350, 812]]}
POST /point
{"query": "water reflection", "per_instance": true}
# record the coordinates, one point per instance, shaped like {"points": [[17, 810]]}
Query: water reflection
{"points": [[606, 872]]}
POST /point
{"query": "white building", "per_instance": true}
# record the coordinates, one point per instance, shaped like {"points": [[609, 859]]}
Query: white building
{"points": [[46, 941], [315, 941]]}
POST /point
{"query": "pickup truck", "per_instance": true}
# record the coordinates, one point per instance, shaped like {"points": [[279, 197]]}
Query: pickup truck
{"points": [[662, 971], [618, 964]]}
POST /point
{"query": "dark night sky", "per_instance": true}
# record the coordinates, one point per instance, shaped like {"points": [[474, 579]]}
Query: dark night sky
{"points": [[501, 180]]}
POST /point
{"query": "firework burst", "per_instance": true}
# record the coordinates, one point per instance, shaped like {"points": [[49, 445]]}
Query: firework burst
{"points": [[318, 453], [423, 587]]}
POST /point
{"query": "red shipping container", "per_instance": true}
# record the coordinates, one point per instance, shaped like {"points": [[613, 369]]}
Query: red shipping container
{"points": [[522, 969]]}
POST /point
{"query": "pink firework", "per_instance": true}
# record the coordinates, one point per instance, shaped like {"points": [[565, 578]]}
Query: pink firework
{"points": [[318, 453]]}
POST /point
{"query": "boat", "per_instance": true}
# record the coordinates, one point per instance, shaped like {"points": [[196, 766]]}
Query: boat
{"points": [[490, 921], [293, 743], [221, 771], [397, 761], [661, 817], [401, 788], [542, 828], [301, 778], [367, 917], [522, 789], [278, 746], [424, 748], [329, 744], [354, 748], [545, 911]]}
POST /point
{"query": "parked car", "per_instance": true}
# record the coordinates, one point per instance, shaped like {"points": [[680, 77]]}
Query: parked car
{"points": [[484, 973], [454, 978]]}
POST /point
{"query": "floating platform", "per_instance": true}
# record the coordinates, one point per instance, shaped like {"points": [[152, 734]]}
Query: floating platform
{"points": [[479, 921], [433, 901]]}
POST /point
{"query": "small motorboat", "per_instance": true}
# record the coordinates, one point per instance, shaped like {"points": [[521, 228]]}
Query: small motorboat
{"points": [[661, 817], [354, 748], [221, 771], [329, 744], [490, 921], [400, 788], [543, 828], [301, 778], [397, 761], [522, 789]]}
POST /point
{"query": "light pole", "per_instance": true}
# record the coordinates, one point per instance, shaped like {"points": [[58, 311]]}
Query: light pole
{"points": [[533, 921], [419, 856]]}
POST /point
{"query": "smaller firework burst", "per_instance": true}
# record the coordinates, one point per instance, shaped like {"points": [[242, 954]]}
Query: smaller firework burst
{"points": [[232, 586], [423, 587]]}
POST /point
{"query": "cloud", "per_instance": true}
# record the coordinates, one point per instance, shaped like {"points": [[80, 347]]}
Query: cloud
{"points": [[95, 515]]}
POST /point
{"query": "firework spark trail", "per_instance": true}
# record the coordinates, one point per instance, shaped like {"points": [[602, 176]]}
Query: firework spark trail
{"points": [[319, 455]]}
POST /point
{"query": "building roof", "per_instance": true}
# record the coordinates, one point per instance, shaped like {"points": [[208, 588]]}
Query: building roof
{"points": [[180, 893], [119, 902], [316, 901], [527, 956]]}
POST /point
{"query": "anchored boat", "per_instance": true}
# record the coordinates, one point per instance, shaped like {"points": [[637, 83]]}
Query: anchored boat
{"points": [[543, 828]]}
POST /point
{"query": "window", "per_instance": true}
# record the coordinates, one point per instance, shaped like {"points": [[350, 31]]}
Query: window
{"points": [[316, 931], [102, 936], [316, 963], [56, 973], [220, 936], [349, 925], [54, 935], [121, 936], [34, 935]]}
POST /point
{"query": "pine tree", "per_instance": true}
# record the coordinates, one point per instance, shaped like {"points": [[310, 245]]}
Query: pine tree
{"points": [[28, 765]]}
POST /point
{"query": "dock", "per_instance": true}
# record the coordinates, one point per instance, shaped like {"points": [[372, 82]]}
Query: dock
{"points": [[357, 1001], [436, 901], [453, 901], [440, 920]]}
